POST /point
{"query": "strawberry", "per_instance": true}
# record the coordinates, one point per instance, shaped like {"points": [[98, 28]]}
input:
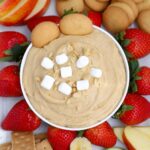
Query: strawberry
{"points": [[135, 41], [10, 82], [143, 84], [33, 22], [60, 139], [139, 110], [21, 118], [95, 17], [8, 40], [102, 135]]}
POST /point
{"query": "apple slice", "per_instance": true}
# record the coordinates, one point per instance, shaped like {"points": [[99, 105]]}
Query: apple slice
{"points": [[16, 15], [114, 148], [119, 131], [39, 9], [135, 139], [7, 6]]}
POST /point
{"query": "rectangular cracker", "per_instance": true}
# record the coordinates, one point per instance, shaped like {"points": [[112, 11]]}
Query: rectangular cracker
{"points": [[23, 141], [38, 138], [6, 146], [43, 145]]}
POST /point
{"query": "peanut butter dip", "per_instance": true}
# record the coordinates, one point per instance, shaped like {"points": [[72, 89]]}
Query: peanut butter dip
{"points": [[81, 108]]}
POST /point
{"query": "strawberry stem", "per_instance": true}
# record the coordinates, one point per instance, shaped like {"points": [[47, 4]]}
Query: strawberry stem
{"points": [[68, 12]]}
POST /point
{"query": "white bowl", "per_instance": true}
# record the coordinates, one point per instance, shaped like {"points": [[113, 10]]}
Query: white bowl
{"points": [[78, 129]]}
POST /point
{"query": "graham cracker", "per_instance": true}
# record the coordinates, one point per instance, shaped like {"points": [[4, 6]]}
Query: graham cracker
{"points": [[38, 138], [23, 141], [43, 145], [6, 146]]}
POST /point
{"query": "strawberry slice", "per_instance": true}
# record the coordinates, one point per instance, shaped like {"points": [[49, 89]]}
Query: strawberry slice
{"points": [[21, 118]]}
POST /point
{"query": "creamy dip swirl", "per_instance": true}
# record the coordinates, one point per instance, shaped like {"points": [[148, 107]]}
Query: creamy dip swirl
{"points": [[81, 108]]}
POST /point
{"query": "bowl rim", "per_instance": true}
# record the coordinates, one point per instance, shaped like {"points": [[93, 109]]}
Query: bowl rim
{"points": [[99, 122]]}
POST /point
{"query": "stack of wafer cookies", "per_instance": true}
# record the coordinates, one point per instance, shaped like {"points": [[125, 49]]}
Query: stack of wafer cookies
{"points": [[27, 141], [119, 15]]}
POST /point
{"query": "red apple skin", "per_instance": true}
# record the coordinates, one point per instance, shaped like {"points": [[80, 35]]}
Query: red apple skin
{"points": [[7, 6], [127, 143], [20, 14], [40, 13]]}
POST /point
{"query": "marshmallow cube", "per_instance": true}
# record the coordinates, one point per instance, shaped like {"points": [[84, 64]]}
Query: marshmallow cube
{"points": [[82, 85], [97, 73], [82, 62], [61, 59], [65, 88], [47, 63], [66, 72], [47, 82]]}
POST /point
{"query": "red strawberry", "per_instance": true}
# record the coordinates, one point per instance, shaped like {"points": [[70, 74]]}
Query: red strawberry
{"points": [[60, 139], [95, 17], [33, 22], [143, 85], [21, 118], [101, 135], [139, 112], [9, 39], [135, 41], [10, 82]]}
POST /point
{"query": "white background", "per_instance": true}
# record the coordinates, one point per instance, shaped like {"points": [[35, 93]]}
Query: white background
{"points": [[7, 103]]}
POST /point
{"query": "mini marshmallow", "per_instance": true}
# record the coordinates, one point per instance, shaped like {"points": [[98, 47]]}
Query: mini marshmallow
{"points": [[97, 73], [47, 82], [82, 85], [47, 63], [66, 72], [65, 88], [82, 62], [61, 59]]}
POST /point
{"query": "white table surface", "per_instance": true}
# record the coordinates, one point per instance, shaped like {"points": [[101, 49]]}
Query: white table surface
{"points": [[7, 103]]}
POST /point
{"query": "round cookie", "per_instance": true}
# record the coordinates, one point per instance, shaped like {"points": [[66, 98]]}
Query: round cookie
{"points": [[76, 24], [132, 4], [144, 5], [44, 33], [117, 22], [62, 5], [96, 5], [144, 21], [127, 9]]}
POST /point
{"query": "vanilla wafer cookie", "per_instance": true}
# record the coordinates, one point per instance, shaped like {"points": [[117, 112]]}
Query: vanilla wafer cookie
{"points": [[23, 141]]}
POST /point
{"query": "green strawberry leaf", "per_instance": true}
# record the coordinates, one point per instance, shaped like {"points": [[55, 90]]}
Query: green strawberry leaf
{"points": [[80, 133], [128, 55], [16, 52], [122, 110], [6, 59], [126, 42], [70, 11]]}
